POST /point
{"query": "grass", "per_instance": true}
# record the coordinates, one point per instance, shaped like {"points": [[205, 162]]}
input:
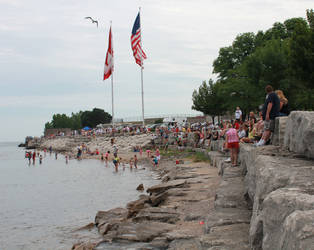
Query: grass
{"points": [[194, 156], [199, 157]]}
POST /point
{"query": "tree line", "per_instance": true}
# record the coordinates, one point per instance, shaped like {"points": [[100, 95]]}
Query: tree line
{"points": [[80, 119], [282, 56]]}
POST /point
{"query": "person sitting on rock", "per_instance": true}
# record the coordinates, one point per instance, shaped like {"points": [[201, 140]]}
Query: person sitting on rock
{"points": [[242, 131], [284, 108]]}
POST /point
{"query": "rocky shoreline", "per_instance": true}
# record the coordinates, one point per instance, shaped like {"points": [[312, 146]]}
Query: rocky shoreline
{"points": [[192, 208], [265, 203], [173, 210]]}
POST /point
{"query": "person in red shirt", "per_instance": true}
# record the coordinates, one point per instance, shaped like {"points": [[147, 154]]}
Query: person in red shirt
{"points": [[237, 125]]}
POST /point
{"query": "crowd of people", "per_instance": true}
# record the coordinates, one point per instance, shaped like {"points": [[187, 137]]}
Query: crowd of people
{"points": [[255, 128]]}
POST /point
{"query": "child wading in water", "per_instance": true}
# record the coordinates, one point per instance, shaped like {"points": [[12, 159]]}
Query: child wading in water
{"points": [[135, 161], [116, 161], [131, 163], [107, 157], [141, 151], [155, 161]]}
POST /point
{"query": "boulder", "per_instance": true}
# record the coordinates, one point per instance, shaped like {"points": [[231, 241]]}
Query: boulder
{"points": [[140, 187], [84, 246], [298, 231], [277, 206], [279, 132], [299, 134], [185, 244], [227, 216], [167, 215], [277, 186], [107, 220], [135, 206], [230, 194], [112, 214], [165, 186], [156, 199], [228, 237], [141, 232]]}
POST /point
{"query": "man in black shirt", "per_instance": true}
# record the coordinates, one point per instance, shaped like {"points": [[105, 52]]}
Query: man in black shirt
{"points": [[270, 112]]}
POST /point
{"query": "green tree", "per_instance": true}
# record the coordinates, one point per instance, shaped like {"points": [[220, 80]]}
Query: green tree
{"points": [[95, 117], [48, 125], [302, 62], [76, 120], [160, 120], [61, 121], [207, 100]]}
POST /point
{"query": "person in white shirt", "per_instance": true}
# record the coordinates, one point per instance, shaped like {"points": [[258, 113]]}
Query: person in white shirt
{"points": [[238, 114], [242, 132]]}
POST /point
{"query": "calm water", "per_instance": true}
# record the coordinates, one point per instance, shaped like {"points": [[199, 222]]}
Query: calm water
{"points": [[41, 205]]}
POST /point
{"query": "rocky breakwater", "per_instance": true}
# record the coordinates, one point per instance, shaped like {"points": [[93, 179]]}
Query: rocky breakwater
{"points": [[170, 216], [125, 143], [279, 187]]}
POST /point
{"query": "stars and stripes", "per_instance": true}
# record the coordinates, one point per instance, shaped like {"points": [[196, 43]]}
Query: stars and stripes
{"points": [[109, 58], [138, 52]]}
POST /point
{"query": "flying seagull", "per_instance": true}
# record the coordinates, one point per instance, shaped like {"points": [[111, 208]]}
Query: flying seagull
{"points": [[93, 21]]}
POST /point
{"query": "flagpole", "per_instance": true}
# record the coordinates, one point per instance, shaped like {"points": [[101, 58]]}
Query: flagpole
{"points": [[112, 100], [142, 85], [142, 96], [112, 106]]}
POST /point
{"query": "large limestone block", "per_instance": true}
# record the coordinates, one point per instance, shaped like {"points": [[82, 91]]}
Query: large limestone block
{"points": [[298, 231], [230, 194], [268, 174], [279, 133], [277, 206], [299, 135]]}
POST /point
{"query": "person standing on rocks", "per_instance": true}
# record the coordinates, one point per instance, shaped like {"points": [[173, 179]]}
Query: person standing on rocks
{"points": [[238, 114], [232, 138], [270, 112], [157, 155], [155, 161], [115, 149]]}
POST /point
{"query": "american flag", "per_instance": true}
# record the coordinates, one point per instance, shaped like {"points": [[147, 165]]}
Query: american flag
{"points": [[138, 52]]}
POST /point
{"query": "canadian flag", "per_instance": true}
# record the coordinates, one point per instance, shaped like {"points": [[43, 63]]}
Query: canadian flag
{"points": [[109, 58]]}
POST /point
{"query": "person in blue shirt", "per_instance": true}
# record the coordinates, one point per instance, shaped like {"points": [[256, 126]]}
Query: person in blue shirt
{"points": [[270, 112]]}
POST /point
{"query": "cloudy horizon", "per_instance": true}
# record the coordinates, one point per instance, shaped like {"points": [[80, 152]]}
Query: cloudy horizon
{"points": [[52, 58]]}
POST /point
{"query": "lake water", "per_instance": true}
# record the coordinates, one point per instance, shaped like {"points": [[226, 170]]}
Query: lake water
{"points": [[42, 205]]}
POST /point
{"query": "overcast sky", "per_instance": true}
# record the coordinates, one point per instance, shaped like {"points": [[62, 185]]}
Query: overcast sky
{"points": [[52, 59]]}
